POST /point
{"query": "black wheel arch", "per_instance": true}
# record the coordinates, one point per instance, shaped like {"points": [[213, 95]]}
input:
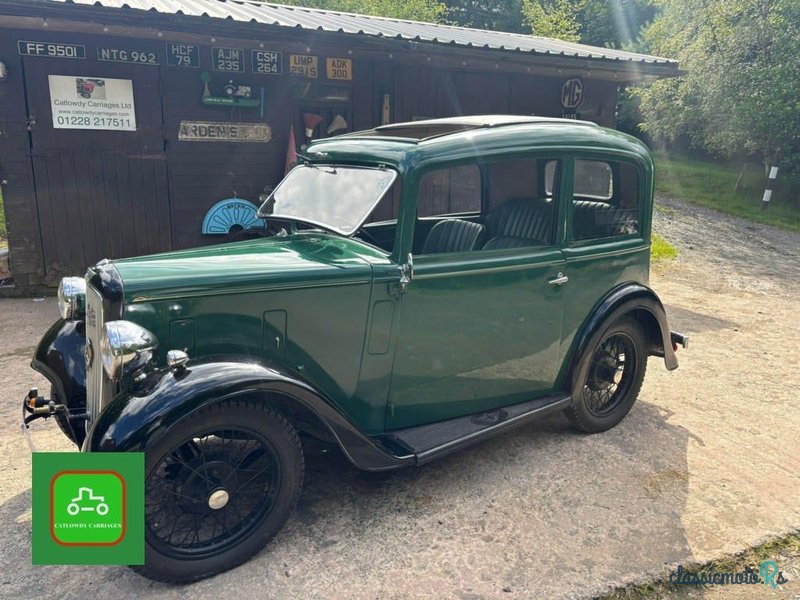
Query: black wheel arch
{"points": [[638, 301], [135, 418]]}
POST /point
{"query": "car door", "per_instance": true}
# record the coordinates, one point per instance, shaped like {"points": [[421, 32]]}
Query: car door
{"points": [[479, 327], [607, 231]]}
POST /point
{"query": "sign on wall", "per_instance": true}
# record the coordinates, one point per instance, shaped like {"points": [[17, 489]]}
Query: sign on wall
{"points": [[51, 49], [339, 68], [183, 55], [267, 61], [92, 103], [127, 55], [220, 131], [303, 65], [572, 93], [227, 59]]}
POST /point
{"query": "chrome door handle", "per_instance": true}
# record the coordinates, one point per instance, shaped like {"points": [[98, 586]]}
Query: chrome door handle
{"points": [[559, 279]]}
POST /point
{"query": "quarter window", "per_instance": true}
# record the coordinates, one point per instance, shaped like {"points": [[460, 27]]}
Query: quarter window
{"points": [[593, 179], [605, 199]]}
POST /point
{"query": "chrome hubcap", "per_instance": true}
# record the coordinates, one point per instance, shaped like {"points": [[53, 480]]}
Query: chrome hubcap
{"points": [[218, 499]]}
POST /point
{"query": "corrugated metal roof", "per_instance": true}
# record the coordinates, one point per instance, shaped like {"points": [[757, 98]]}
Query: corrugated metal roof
{"points": [[325, 20]]}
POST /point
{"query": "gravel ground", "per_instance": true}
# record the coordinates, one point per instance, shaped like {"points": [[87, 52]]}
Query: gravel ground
{"points": [[706, 464]]}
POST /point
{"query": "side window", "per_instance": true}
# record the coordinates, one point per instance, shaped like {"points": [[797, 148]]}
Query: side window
{"points": [[519, 211], [605, 199], [522, 209], [450, 191], [593, 179]]}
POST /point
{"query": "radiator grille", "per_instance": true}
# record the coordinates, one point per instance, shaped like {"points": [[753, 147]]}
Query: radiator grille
{"points": [[95, 377]]}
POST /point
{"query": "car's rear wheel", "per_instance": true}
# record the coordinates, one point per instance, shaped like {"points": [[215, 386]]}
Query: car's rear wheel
{"points": [[218, 487], [609, 376]]}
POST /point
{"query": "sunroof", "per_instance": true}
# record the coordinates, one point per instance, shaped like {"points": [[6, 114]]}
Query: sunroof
{"points": [[430, 128]]}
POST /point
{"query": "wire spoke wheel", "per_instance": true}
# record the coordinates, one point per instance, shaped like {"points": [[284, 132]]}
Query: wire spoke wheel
{"points": [[611, 374], [210, 492]]}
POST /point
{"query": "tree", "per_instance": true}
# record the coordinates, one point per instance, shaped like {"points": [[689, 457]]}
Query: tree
{"points": [[496, 15], [614, 23], [741, 90], [553, 18], [416, 10]]}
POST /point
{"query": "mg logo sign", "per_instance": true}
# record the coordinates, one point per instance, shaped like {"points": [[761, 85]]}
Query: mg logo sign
{"points": [[572, 93]]}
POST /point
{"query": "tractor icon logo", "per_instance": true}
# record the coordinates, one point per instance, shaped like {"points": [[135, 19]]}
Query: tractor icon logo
{"points": [[90, 88], [87, 502]]}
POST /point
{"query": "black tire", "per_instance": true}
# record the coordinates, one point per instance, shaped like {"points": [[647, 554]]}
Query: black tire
{"points": [[208, 454], [605, 387]]}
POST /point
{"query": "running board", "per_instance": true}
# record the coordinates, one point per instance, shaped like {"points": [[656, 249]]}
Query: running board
{"points": [[434, 440]]}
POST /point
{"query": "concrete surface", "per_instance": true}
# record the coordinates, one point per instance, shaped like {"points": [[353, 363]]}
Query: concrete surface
{"points": [[706, 464]]}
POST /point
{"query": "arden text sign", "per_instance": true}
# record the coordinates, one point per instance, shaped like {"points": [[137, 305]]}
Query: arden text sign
{"points": [[303, 65], [92, 103], [220, 131]]}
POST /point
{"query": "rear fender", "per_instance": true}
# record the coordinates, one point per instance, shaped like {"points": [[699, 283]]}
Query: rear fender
{"points": [[632, 299], [135, 419]]}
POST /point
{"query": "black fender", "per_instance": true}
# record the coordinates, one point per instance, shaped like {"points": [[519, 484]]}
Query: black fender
{"points": [[629, 298], [60, 358], [134, 419]]}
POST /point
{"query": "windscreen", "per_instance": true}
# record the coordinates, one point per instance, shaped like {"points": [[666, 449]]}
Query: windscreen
{"points": [[334, 197]]}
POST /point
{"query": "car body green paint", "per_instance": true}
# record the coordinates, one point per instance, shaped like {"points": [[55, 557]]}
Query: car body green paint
{"points": [[472, 332]]}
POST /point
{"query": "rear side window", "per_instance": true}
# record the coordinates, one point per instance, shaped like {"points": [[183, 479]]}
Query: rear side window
{"points": [[451, 191], [593, 179], [605, 199]]}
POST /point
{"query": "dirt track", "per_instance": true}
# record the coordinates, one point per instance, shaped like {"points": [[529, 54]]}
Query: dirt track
{"points": [[707, 463]]}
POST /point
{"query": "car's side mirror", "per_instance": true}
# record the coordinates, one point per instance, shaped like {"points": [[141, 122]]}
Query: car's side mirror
{"points": [[406, 273]]}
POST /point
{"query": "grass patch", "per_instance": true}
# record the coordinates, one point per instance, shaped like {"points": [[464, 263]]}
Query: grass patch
{"points": [[661, 249], [777, 549], [712, 185]]}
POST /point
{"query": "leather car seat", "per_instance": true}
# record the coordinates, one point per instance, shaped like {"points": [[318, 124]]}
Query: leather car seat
{"points": [[526, 218], [454, 235]]}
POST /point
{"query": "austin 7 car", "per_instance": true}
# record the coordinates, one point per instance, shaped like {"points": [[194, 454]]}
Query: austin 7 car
{"points": [[415, 288]]}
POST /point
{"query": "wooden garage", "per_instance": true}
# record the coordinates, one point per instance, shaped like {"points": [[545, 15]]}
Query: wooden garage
{"points": [[128, 130]]}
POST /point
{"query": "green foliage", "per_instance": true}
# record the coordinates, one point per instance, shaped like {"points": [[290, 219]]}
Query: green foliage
{"points": [[497, 15], [595, 22], [416, 10], [553, 18], [741, 91], [712, 185], [613, 24], [661, 249]]}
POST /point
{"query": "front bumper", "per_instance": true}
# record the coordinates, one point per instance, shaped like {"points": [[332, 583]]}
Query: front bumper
{"points": [[678, 339], [36, 407]]}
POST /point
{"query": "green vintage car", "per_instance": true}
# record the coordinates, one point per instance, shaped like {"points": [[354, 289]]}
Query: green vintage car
{"points": [[416, 288]]}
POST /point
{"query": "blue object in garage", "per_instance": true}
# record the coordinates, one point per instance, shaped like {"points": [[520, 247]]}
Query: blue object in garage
{"points": [[231, 214]]}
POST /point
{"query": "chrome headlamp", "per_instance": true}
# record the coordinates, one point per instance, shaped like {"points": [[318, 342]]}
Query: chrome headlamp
{"points": [[125, 347], [72, 298]]}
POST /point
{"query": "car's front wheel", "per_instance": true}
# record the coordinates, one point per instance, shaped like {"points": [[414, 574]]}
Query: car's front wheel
{"points": [[608, 377], [218, 487]]}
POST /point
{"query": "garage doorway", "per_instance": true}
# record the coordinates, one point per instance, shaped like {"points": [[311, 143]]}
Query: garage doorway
{"points": [[101, 184]]}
